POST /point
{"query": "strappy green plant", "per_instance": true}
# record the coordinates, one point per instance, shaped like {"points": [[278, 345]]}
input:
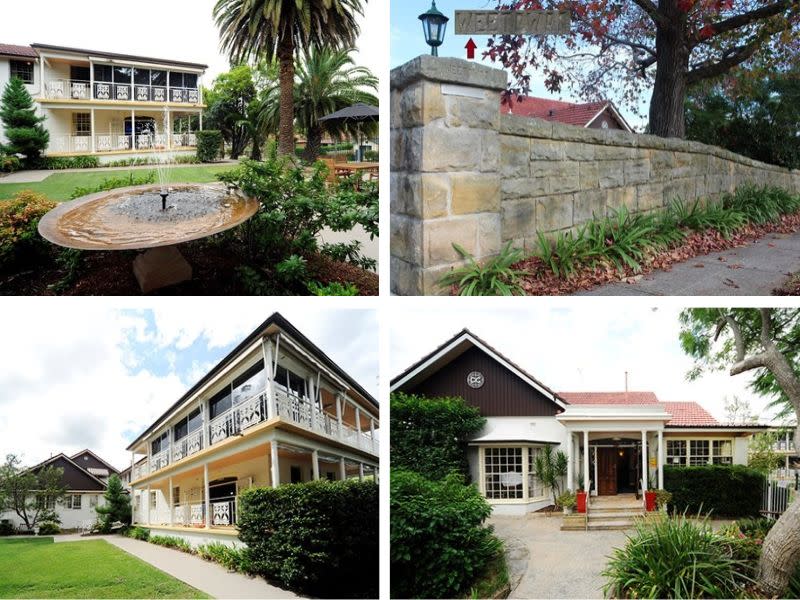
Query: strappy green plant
{"points": [[496, 277]]}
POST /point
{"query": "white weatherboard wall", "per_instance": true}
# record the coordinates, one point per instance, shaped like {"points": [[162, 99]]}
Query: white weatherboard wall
{"points": [[70, 518]]}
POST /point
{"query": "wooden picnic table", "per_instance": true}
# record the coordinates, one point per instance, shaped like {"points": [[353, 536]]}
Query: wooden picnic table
{"points": [[357, 166]]}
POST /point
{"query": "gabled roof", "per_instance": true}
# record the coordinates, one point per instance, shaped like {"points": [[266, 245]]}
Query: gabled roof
{"points": [[63, 457], [569, 113], [97, 458], [455, 347], [14, 50], [609, 397], [689, 414], [281, 322]]}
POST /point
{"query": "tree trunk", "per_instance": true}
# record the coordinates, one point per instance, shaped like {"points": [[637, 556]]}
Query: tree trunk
{"points": [[286, 79], [313, 144], [667, 118], [781, 553], [255, 152]]}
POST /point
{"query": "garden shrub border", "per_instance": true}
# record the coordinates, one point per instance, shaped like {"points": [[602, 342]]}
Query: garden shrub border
{"points": [[209, 145], [723, 490]]}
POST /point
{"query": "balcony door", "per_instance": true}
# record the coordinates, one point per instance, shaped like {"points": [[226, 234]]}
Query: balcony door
{"points": [[606, 471]]}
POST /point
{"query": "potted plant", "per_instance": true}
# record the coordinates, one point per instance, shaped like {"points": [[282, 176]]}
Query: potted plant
{"points": [[663, 497], [566, 501], [650, 500], [580, 496]]}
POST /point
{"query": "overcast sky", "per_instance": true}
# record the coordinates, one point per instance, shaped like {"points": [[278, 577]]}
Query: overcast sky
{"points": [[91, 373], [170, 29], [569, 350]]}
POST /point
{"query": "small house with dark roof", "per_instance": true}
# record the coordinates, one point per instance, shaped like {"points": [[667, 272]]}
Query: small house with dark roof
{"points": [[617, 443], [85, 477], [601, 114]]}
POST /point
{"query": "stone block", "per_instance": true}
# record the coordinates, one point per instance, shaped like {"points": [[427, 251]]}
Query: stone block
{"points": [[637, 171], [157, 268], [612, 174], [518, 218], [405, 238], [515, 156], [616, 198], [578, 151], [563, 176], [527, 187], [448, 70], [589, 175], [490, 152], [439, 235], [489, 234], [547, 150], [474, 193], [405, 278], [649, 196], [554, 212], [446, 149], [463, 111], [404, 194], [588, 204], [434, 195]]}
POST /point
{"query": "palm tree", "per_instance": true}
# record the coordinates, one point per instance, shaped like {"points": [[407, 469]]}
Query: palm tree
{"points": [[258, 29], [327, 81]]}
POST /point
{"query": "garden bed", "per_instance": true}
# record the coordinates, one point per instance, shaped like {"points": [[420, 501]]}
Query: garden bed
{"points": [[791, 287]]}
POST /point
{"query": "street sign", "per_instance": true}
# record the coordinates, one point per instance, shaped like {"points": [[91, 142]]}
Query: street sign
{"points": [[512, 22]]}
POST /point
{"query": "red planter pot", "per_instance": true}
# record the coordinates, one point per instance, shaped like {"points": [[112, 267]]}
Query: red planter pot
{"points": [[580, 498], [650, 501]]}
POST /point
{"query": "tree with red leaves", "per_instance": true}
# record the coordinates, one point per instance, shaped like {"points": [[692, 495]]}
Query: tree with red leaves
{"points": [[628, 46]]}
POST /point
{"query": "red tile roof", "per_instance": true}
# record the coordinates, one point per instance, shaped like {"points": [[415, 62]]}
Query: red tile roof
{"points": [[689, 414], [609, 397], [12, 50], [555, 110]]}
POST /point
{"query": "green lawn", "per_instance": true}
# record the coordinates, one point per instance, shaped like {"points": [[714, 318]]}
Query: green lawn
{"points": [[38, 568], [59, 186]]}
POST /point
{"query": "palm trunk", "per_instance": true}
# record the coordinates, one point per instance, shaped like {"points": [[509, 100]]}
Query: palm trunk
{"points": [[286, 79], [667, 117], [255, 153], [313, 144]]}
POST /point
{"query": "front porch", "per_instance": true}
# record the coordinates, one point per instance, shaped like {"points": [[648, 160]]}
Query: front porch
{"points": [[75, 132]]}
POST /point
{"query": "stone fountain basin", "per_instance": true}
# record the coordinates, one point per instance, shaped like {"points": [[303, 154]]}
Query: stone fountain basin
{"points": [[132, 219]]}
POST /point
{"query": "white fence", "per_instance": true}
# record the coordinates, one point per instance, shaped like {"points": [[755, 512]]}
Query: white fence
{"points": [[776, 498]]}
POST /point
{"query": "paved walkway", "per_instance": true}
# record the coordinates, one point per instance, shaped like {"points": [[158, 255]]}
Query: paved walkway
{"points": [[753, 270], [40, 175], [561, 564], [206, 576]]}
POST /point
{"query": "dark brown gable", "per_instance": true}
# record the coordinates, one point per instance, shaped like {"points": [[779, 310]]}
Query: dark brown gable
{"points": [[75, 478], [86, 460], [503, 393], [608, 117]]}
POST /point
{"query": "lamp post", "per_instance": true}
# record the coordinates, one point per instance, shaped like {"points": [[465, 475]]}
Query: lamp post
{"points": [[434, 25]]}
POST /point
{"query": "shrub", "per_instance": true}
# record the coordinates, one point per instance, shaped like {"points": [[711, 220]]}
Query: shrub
{"points": [[49, 529], [233, 559], [9, 164], [428, 434], [20, 241], [111, 183], [676, 558], [729, 491], [292, 269], [138, 533], [371, 156], [439, 545], [567, 500], [332, 289], [6, 527], [319, 538], [496, 277], [66, 162], [169, 541], [209, 143]]}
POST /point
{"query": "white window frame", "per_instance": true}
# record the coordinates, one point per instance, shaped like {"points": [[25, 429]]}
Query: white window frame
{"points": [[82, 126], [527, 451], [717, 459], [709, 459], [73, 501], [30, 63]]}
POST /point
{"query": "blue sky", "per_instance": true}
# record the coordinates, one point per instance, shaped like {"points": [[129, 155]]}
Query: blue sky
{"points": [[95, 373], [408, 41]]}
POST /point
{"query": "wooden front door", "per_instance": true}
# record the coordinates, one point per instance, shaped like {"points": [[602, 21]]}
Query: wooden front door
{"points": [[606, 472]]}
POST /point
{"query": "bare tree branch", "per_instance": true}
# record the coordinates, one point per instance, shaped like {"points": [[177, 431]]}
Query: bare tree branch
{"points": [[752, 16], [652, 11]]}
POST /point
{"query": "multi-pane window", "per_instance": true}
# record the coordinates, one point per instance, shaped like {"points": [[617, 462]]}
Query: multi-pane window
{"points": [[699, 452], [290, 380], [723, 452], [252, 381], [190, 423], [81, 124], [92, 501], [73, 501], [536, 488], [160, 443], [22, 69], [182, 80], [676, 453], [503, 473]]}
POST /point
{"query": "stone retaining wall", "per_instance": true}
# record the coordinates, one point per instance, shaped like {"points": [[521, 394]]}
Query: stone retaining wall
{"points": [[464, 173]]}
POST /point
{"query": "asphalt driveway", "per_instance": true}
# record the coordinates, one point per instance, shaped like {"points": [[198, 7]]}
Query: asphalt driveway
{"points": [[560, 564]]}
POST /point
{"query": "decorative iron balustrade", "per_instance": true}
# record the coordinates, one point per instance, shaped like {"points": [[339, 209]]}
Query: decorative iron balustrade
{"points": [[159, 461], [223, 512], [235, 420], [188, 445], [75, 89]]}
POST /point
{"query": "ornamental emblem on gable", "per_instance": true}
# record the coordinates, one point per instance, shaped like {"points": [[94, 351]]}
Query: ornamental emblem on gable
{"points": [[475, 379]]}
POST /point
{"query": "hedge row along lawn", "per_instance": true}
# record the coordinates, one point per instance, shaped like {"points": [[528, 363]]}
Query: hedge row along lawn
{"points": [[624, 245], [38, 568], [59, 186]]}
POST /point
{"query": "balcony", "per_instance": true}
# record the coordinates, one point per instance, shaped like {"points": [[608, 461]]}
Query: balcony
{"points": [[119, 142], [73, 89], [187, 446]]}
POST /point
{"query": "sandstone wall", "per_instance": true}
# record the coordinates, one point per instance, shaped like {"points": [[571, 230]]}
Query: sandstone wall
{"points": [[464, 173]]}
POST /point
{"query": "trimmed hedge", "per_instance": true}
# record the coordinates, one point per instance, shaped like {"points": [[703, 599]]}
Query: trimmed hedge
{"points": [[209, 143], [725, 491], [66, 162], [319, 538]]}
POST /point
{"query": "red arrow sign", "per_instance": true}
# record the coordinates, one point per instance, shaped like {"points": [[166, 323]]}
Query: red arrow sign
{"points": [[471, 45]]}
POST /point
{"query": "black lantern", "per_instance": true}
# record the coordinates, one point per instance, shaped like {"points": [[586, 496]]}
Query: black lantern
{"points": [[434, 25]]}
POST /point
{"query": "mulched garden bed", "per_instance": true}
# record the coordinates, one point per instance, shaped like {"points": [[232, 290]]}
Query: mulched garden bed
{"points": [[791, 287], [541, 281], [111, 274]]}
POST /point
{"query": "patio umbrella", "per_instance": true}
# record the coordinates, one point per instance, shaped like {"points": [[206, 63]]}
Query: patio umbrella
{"points": [[357, 113]]}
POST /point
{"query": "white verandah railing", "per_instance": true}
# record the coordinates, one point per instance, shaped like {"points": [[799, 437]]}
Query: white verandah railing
{"points": [[76, 89], [776, 498], [119, 142], [187, 445]]}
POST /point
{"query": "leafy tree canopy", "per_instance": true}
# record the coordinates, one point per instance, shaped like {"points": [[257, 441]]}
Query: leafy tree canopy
{"points": [[31, 494]]}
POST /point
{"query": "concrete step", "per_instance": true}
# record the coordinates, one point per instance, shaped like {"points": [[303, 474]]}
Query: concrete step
{"points": [[615, 510], [610, 524]]}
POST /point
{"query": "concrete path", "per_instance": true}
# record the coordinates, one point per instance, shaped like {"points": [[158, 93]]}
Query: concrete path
{"points": [[206, 576], [561, 564], [40, 175], [753, 270]]}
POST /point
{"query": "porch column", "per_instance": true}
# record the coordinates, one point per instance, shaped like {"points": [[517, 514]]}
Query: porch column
{"points": [[133, 129], [94, 141], [586, 460], [171, 501], [206, 497], [266, 348], [315, 464], [133, 464], [91, 80], [168, 132], [570, 467], [596, 492], [201, 120], [312, 398], [275, 472], [147, 517], [361, 471], [660, 459], [339, 413], [206, 423], [644, 461], [41, 75], [342, 470], [358, 425]]}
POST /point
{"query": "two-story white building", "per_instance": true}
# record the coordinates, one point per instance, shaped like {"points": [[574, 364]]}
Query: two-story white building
{"points": [[275, 410], [107, 104]]}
